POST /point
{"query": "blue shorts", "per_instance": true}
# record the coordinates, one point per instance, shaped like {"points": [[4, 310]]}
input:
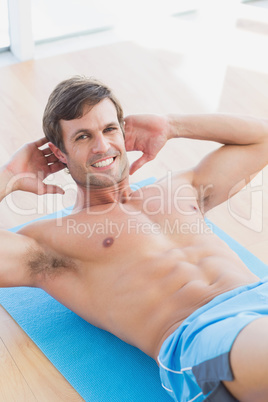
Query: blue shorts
{"points": [[195, 358]]}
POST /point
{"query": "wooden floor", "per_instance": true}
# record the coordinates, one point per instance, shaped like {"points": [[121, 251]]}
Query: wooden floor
{"points": [[146, 80], [26, 375]]}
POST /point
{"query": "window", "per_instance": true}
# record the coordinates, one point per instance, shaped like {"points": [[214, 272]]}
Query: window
{"points": [[4, 26], [60, 19]]}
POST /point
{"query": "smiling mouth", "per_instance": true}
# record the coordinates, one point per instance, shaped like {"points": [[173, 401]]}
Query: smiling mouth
{"points": [[104, 163]]}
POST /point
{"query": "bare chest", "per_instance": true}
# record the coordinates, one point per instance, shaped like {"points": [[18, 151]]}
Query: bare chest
{"points": [[156, 218]]}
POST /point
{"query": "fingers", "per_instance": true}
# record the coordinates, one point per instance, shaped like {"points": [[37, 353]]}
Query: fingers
{"points": [[129, 144], [46, 151], [56, 167], [139, 163], [51, 159], [53, 162], [42, 141], [128, 123]]}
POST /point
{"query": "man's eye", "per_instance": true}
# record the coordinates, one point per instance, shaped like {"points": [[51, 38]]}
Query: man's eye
{"points": [[82, 137], [109, 129]]}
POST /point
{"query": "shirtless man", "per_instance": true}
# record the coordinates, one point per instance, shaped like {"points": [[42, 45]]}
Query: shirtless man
{"points": [[159, 290]]}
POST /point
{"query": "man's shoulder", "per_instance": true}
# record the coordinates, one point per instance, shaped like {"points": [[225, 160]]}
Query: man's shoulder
{"points": [[37, 228], [179, 177], [45, 234]]}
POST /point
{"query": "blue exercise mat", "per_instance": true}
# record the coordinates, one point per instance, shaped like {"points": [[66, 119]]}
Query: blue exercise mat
{"points": [[98, 365]]}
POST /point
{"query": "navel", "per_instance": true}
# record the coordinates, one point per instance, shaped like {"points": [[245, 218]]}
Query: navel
{"points": [[108, 242]]}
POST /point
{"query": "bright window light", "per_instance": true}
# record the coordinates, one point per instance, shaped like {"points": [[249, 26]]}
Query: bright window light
{"points": [[4, 26]]}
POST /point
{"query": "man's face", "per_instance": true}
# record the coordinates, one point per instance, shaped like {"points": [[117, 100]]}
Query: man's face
{"points": [[95, 146]]}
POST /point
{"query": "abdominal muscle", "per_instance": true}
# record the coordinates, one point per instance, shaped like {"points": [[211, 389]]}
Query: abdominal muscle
{"points": [[148, 287], [152, 297]]}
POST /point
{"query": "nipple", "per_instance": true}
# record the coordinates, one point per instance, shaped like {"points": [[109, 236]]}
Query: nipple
{"points": [[108, 242]]}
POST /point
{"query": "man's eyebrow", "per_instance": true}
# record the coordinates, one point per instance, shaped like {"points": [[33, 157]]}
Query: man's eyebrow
{"points": [[113, 123]]}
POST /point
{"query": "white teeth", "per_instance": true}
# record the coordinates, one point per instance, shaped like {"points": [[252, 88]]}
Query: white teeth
{"points": [[103, 163]]}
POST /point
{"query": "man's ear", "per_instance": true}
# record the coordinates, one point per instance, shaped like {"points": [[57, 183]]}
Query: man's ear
{"points": [[58, 153]]}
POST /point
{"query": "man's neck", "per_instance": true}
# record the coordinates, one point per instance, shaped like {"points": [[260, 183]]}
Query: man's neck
{"points": [[93, 195]]}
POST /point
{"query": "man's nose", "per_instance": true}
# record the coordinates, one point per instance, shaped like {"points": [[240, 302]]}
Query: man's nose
{"points": [[101, 145]]}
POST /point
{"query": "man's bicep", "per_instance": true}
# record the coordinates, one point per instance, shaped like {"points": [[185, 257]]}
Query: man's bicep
{"points": [[224, 172], [15, 251]]}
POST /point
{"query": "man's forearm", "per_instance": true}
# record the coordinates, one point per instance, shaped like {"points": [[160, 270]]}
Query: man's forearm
{"points": [[222, 128]]}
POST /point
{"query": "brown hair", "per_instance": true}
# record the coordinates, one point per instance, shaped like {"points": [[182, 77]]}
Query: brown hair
{"points": [[67, 102]]}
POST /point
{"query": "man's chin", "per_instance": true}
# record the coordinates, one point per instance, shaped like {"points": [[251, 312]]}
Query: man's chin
{"points": [[103, 180]]}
